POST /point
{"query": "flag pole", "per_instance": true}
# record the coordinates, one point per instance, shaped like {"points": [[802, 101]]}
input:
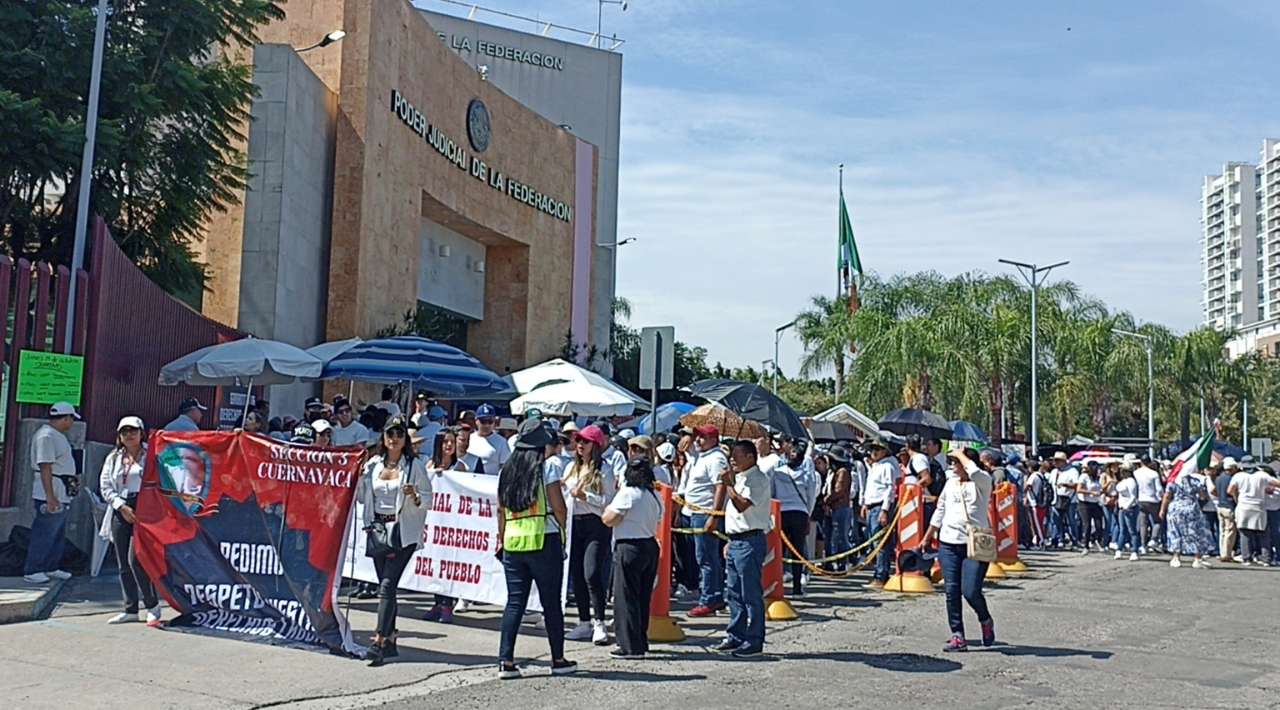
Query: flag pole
{"points": [[840, 267]]}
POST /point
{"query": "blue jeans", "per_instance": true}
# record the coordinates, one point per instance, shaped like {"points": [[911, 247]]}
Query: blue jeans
{"points": [[962, 577], [48, 538], [835, 531], [1074, 523], [744, 591], [1112, 525], [1129, 529], [884, 562], [710, 564], [543, 568], [1154, 535]]}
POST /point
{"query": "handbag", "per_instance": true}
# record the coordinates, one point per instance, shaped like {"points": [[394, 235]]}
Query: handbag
{"points": [[377, 540], [980, 542]]}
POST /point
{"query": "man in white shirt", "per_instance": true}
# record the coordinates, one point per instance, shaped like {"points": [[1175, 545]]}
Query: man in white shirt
{"points": [[421, 410], [190, 414], [878, 498], [54, 468], [430, 424], [349, 432], [1064, 523], [747, 519], [388, 404], [702, 492], [488, 449], [795, 485], [1150, 493], [767, 459]]}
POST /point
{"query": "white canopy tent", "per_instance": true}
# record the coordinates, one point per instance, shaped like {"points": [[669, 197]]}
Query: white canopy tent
{"points": [[561, 388], [845, 414]]}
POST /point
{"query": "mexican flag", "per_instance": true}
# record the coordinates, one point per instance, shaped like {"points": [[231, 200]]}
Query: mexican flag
{"points": [[1194, 459], [847, 256]]}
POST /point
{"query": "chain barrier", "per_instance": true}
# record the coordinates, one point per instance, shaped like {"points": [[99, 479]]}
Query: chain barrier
{"points": [[814, 569], [696, 508]]}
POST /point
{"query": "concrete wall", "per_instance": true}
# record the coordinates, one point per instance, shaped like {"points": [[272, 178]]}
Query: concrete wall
{"points": [[585, 93], [288, 202], [452, 281]]}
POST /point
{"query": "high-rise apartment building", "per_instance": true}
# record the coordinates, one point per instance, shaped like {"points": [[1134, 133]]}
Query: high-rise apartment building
{"points": [[1231, 249]]}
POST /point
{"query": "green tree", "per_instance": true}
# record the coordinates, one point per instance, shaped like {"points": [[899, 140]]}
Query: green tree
{"points": [[826, 331], [173, 103]]}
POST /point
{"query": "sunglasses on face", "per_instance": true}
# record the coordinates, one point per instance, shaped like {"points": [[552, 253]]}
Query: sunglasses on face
{"points": [[396, 433]]}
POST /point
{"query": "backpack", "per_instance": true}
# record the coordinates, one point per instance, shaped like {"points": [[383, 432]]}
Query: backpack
{"points": [[1045, 494]]}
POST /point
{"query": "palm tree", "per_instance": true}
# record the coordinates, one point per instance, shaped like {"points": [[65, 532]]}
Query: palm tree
{"points": [[826, 331]]}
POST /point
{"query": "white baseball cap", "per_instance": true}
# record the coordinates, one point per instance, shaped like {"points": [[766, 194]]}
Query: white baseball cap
{"points": [[1229, 462], [62, 409], [666, 452], [321, 426], [130, 423]]}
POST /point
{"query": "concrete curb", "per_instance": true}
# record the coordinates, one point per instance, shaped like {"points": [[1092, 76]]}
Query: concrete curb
{"points": [[21, 601]]}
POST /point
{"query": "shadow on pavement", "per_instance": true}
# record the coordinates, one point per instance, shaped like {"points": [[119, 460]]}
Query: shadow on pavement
{"points": [[637, 676], [1042, 651], [903, 662]]}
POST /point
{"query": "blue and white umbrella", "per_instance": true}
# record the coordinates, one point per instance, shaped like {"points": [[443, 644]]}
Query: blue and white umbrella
{"points": [[668, 416], [965, 431], [420, 362]]}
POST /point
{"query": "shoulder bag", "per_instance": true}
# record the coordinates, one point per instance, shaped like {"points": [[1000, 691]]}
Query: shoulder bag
{"points": [[981, 542]]}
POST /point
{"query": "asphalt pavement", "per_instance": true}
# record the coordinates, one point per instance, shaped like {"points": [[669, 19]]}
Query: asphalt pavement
{"points": [[1076, 632]]}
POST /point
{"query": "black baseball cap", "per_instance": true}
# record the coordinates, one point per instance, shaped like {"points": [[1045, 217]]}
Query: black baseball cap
{"points": [[303, 434], [189, 404], [533, 436], [314, 403]]}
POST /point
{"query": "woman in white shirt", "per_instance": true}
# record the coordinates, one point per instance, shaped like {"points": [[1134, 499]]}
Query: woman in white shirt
{"points": [[1127, 508], [120, 481], [964, 501], [444, 457], [591, 488], [395, 491], [1250, 489], [1089, 494], [634, 515]]}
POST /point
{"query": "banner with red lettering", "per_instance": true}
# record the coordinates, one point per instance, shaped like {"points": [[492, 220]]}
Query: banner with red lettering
{"points": [[458, 557], [244, 535]]}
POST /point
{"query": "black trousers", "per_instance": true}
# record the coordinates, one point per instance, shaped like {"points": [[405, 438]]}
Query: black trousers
{"points": [[588, 565], [133, 579], [685, 558], [390, 568], [1091, 522], [795, 525], [635, 567]]}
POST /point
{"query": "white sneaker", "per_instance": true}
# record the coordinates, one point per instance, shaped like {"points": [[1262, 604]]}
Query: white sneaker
{"points": [[1084, 552], [599, 633], [1175, 562], [1119, 555], [581, 632], [1142, 550], [60, 574], [123, 617], [153, 616], [1201, 564], [37, 578], [786, 578], [1237, 558], [461, 606], [1133, 557], [1114, 546], [532, 618]]}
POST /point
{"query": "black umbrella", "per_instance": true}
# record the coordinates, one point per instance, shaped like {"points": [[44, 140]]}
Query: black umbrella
{"points": [[916, 421], [752, 402], [832, 431]]}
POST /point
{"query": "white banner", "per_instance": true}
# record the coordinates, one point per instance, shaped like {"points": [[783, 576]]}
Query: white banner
{"points": [[458, 557]]}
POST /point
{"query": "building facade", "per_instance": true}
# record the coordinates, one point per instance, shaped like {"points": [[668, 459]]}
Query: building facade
{"points": [[391, 179], [1230, 247]]}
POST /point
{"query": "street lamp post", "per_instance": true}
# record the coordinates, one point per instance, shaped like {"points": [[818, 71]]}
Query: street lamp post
{"points": [[777, 341], [1031, 274], [1151, 390], [600, 17], [325, 41]]}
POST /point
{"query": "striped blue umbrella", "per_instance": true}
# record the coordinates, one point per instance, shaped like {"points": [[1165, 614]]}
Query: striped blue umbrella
{"points": [[420, 362]]}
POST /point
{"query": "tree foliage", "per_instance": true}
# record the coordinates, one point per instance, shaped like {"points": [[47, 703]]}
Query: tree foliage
{"points": [[171, 109]]}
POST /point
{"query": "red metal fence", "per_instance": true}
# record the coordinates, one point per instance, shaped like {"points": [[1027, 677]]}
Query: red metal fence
{"points": [[131, 328]]}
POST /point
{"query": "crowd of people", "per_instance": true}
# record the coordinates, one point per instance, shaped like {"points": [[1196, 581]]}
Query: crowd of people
{"points": [[833, 498]]}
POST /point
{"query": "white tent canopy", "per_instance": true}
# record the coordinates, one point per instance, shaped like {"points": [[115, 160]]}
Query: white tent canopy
{"points": [[845, 414], [561, 388]]}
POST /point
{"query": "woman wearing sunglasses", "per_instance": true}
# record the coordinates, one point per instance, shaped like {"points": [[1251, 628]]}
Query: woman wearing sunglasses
{"points": [[120, 481], [396, 492]]}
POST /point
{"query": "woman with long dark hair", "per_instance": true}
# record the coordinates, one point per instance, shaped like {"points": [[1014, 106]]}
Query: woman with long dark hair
{"points": [[592, 487], [396, 492], [531, 516], [120, 481], [1089, 492], [444, 456], [634, 515]]}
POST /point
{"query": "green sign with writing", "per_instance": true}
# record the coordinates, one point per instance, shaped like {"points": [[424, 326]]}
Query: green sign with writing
{"points": [[46, 378]]}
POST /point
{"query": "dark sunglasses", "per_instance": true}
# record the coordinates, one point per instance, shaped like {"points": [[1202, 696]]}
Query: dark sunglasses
{"points": [[396, 433]]}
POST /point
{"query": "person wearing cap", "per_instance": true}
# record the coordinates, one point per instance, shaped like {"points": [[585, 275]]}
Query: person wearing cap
{"points": [[395, 491], [964, 503], [190, 414], [508, 427], [312, 409], [531, 518], [837, 487], [1226, 509], [303, 434], [487, 450], [349, 431], [878, 499], [119, 483], [431, 423], [634, 515], [1064, 520], [1038, 494], [703, 493], [664, 457], [747, 519], [1250, 489], [323, 431], [794, 483], [55, 469], [421, 408], [592, 486], [1150, 493]]}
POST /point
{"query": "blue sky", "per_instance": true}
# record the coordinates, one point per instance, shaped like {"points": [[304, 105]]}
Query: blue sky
{"points": [[969, 132]]}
